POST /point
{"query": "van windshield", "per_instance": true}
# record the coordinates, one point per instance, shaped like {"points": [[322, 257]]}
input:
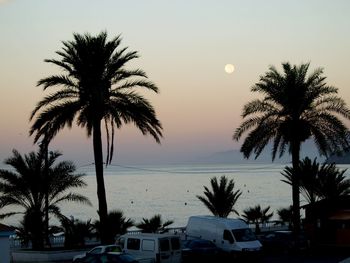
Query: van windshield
{"points": [[243, 235]]}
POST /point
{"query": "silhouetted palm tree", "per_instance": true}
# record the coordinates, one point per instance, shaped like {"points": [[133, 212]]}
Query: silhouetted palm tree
{"points": [[222, 199], [24, 187], [286, 216], [308, 179], [75, 231], [96, 86], [295, 107], [257, 216], [117, 223], [153, 225], [319, 182], [333, 184]]}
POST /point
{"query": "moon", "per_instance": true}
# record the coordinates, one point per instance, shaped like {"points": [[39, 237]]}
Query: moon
{"points": [[229, 68]]}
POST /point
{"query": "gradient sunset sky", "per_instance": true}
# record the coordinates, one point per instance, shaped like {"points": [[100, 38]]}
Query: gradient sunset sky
{"points": [[184, 46]]}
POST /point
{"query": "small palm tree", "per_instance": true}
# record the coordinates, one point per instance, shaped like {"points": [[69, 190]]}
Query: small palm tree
{"points": [[154, 225], [222, 199], [117, 223], [319, 182], [95, 87], [296, 107], [75, 231], [333, 183], [308, 179], [24, 187], [257, 216], [285, 215]]}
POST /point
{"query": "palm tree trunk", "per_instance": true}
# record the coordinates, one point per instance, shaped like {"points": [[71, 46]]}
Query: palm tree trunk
{"points": [[101, 192], [295, 187]]}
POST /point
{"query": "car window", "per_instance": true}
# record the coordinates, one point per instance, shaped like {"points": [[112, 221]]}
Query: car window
{"points": [[175, 243], [120, 242], [113, 249], [133, 244], [243, 235], [148, 245], [164, 245], [228, 236], [97, 250]]}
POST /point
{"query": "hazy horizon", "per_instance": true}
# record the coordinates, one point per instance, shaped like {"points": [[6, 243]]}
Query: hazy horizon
{"points": [[184, 47]]}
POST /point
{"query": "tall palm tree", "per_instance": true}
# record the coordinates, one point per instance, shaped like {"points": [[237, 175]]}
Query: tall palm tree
{"points": [[24, 187], [295, 107], [257, 216], [154, 224], [95, 86], [222, 199]]}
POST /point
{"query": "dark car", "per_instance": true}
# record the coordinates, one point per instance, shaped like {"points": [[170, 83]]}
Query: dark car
{"points": [[283, 242], [199, 250], [109, 257]]}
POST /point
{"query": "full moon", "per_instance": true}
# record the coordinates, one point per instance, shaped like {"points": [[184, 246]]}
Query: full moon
{"points": [[229, 68]]}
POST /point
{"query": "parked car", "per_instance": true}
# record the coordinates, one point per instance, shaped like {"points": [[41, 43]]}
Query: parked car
{"points": [[282, 241], [97, 250], [109, 257], [199, 250]]}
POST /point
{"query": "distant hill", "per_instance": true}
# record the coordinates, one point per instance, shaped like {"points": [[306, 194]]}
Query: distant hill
{"points": [[236, 157]]}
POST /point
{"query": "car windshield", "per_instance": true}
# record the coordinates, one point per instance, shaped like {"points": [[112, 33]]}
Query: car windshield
{"points": [[243, 235]]}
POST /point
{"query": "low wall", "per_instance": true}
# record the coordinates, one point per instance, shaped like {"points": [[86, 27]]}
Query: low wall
{"points": [[21, 256]]}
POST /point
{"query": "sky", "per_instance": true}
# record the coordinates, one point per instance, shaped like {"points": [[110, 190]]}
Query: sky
{"points": [[184, 46]]}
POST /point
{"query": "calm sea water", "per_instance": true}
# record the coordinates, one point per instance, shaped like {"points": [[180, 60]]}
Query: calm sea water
{"points": [[143, 191]]}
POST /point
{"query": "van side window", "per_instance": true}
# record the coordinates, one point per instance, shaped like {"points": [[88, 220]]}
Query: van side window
{"points": [[175, 243], [148, 245], [164, 245], [228, 236], [133, 244]]}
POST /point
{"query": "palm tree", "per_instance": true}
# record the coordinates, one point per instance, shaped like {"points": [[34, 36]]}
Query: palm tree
{"points": [[96, 86], [333, 183], [319, 182], [295, 107], [75, 231], [257, 216], [308, 181], [222, 199], [117, 223], [153, 225], [285, 215], [24, 187]]}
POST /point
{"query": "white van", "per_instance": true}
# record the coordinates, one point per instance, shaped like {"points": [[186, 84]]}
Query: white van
{"points": [[229, 235], [163, 248]]}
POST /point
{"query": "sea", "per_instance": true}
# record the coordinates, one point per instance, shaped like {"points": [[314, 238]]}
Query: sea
{"points": [[172, 190]]}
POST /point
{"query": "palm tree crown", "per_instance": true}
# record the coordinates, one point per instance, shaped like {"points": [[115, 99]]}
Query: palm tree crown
{"points": [[294, 108], [154, 224], [257, 215], [222, 199], [96, 86]]}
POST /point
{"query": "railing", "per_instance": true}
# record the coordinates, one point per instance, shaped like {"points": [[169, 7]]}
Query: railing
{"points": [[58, 241]]}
